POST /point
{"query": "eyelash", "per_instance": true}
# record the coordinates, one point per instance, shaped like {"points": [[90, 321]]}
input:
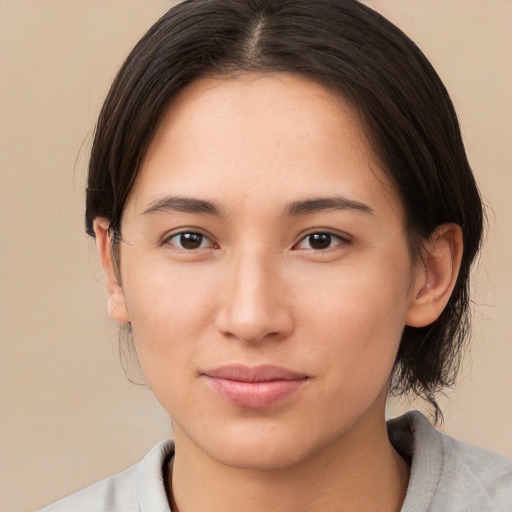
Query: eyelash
{"points": [[191, 234], [322, 237]]}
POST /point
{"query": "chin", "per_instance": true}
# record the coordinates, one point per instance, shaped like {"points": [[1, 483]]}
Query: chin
{"points": [[264, 455], [264, 443]]}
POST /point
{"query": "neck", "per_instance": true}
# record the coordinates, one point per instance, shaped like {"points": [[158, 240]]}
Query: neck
{"points": [[362, 471]]}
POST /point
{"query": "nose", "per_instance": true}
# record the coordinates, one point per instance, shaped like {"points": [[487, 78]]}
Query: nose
{"points": [[254, 305]]}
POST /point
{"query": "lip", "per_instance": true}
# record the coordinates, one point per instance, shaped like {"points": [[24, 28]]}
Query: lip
{"points": [[255, 387]]}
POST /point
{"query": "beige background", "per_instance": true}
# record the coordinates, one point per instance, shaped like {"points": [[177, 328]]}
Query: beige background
{"points": [[68, 414]]}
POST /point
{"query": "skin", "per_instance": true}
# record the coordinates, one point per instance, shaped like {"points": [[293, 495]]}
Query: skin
{"points": [[256, 290]]}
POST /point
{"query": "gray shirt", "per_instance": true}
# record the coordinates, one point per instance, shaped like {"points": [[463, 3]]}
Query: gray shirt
{"points": [[446, 476]]}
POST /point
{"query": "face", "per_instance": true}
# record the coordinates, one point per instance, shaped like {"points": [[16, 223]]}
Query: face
{"points": [[265, 271]]}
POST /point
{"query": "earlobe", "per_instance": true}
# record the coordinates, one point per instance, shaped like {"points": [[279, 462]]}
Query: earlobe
{"points": [[436, 278], [116, 304]]}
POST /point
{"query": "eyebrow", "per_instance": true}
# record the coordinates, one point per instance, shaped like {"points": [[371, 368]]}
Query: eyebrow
{"points": [[325, 203], [296, 208], [182, 204]]}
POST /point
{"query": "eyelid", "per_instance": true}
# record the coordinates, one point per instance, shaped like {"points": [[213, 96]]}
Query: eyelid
{"points": [[166, 239], [342, 237]]}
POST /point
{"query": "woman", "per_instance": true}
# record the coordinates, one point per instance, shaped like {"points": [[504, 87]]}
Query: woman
{"points": [[286, 219]]}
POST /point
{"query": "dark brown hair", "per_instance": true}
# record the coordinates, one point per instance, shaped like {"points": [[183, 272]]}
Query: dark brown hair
{"points": [[351, 50]]}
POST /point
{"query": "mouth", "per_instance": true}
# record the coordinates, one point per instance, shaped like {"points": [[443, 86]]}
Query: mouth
{"points": [[254, 387]]}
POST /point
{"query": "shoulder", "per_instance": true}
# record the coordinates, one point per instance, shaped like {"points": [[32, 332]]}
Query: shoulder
{"points": [[138, 488], [479, 477], [447, 474]]}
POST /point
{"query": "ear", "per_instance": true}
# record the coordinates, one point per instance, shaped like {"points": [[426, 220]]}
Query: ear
{"points": [[436, 278], [116, 304]]}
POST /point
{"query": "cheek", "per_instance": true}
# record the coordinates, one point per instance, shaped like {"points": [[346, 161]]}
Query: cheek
{"points": [[348, 319], [169, 307], [357, 320]]}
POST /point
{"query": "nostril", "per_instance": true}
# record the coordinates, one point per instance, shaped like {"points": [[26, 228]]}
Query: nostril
{"points": [[252, 305], [253, 326]]}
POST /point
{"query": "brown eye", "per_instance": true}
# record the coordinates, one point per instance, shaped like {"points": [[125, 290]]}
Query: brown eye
{"points": [[189, 241], [321, 241]]}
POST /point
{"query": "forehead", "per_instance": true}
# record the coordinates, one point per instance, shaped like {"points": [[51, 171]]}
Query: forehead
{"points": [[260, 135]]}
